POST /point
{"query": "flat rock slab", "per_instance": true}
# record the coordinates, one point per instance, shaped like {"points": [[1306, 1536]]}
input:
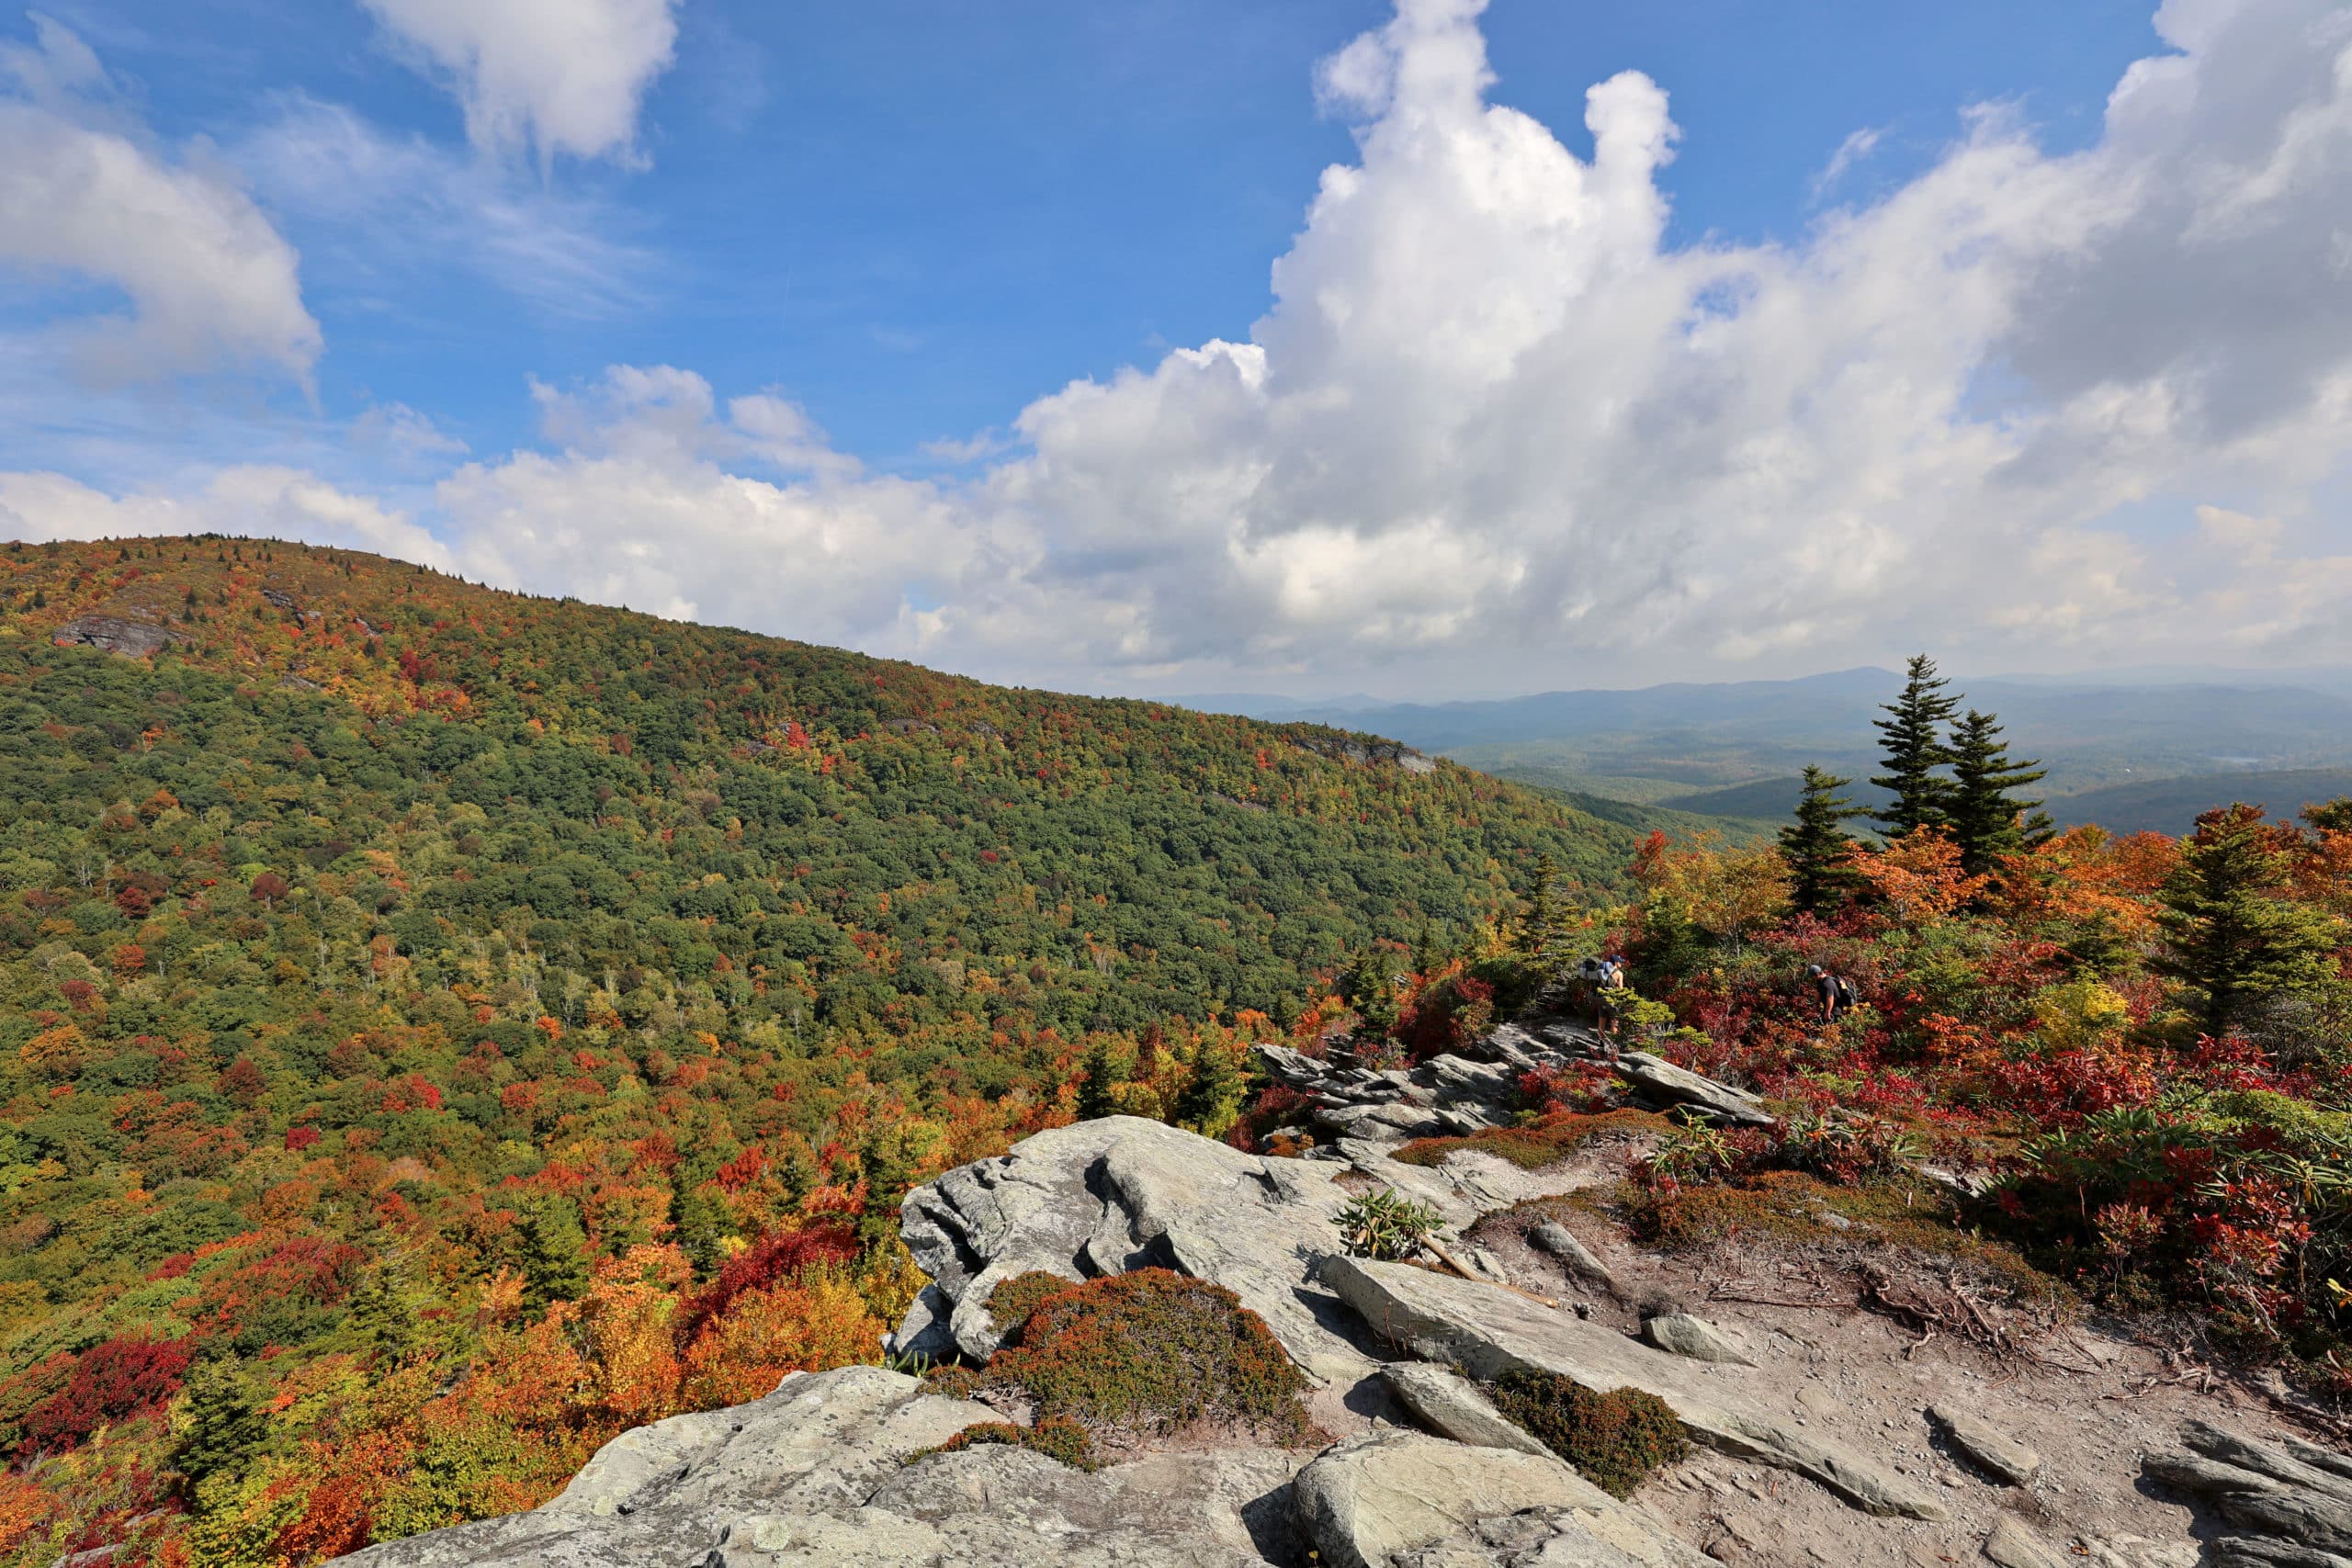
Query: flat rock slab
{"points": [[1453, 1408], [816, 1473], [2012, 1545], [1991, 1449], [1488, 1332], [1398, 1499], [1106, 1196]]}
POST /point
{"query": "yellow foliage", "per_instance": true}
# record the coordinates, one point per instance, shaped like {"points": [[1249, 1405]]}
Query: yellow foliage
{"points": [[56, 1053], [2081, 1015], [813, 1325], [1728, 891]]}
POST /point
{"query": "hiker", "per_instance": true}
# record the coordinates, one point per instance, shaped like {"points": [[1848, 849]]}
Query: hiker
{"points": [[1835, 992], [1609, 992]]}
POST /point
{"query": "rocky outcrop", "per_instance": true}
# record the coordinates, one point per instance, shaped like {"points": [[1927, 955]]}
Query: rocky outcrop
{"points": [[2293, 1501], [1395, 1499], [113, 634], [1661, 1081], [1488, 1332], [2014, 1545], [1447, 1096], [1554, 1238], [1107, 1196]]}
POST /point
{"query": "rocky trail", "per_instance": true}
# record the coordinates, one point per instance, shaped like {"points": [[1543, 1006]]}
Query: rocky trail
{"points": [[1847, 1405]]}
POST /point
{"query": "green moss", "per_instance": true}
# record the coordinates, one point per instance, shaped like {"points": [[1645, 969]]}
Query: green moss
{"points": [[1152, 1351], [1555, 1137], [1055, 1437], [1615, 1440]]}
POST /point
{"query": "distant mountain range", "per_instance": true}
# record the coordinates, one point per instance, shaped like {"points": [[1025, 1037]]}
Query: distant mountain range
{"points": [[2130, 750]]}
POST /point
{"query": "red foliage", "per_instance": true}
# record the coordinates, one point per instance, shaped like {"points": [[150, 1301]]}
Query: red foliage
{"points": [[776, 1256], [301, 1138], [111, 1382]]}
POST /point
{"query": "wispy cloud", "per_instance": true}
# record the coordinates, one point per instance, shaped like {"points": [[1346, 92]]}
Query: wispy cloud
{"points": [[1858, 146], [383, 204]]}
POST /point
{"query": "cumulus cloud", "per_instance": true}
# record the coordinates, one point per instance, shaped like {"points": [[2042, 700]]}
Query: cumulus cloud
{"points": [[642, 506], [546, 76], [1494, 428], [85, 196]]}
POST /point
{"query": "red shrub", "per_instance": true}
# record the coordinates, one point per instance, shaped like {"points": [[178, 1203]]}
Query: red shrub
{"points": [[110, 1382], [776, 1256]]}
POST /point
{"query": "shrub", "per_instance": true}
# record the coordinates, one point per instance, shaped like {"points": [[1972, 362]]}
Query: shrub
{"points": [[1614, 1440], [112, 1381], [1386, 1225], [1013, 1300], [1152, 1350], [1554, 1137], [1056, 1436]]}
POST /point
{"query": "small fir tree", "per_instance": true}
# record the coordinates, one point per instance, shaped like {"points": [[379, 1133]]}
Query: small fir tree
{"points": [[1095, 1094], [223, 1427], [555, 1254], [1911, 743], [1818, 849], [1213, 1098], [2232, 942]]}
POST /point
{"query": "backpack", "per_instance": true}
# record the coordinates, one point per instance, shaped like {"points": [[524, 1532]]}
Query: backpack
{"points": [[1845, 991]]}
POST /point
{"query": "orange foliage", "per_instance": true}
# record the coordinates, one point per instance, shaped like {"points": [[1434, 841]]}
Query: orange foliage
{"points": [[811, 1326], [1919, 876]]}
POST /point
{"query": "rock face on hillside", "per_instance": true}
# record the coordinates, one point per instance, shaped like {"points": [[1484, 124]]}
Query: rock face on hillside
{"points": [[132, 639]]}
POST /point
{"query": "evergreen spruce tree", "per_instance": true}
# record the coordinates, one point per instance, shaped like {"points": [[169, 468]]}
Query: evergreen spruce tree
{"points": [[1540, 921], [555, 1254], [223, 1427], [888, 1180], [2233, 943], [1986, 817], [1817, 847], [1911, 743], [1094, 1095], [702, 1225], [1211, 1101], [381, 1315]]}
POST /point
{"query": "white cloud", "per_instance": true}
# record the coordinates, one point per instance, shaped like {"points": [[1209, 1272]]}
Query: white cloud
{"points": [[640, 508], [209, 282], [549, 76]]}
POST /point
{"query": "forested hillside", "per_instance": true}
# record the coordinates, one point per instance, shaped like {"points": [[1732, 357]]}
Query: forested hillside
{"points": [[439, 1028]]}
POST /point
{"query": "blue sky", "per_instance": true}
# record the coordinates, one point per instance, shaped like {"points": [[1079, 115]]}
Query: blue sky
{"points": [[482, 278]]}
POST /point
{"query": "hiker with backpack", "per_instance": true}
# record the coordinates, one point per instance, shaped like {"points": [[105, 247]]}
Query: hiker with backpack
{"points": [[1610, 991], [1837, 993]]}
